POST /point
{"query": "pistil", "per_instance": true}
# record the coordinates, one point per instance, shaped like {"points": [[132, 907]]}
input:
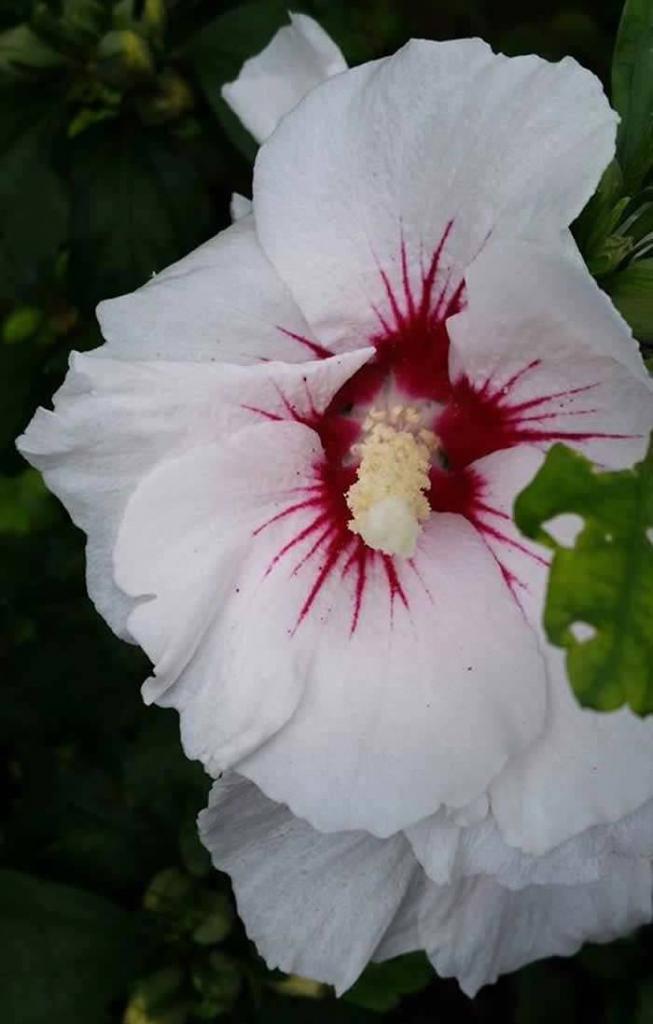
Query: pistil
{"points": [[388, 501]]}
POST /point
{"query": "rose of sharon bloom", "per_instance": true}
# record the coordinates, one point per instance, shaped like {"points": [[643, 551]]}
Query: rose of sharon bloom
{"points": [[295, 460]]}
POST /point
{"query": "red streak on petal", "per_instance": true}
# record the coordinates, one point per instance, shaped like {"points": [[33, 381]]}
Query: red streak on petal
{"points": [[263, 412], [300, 505], [461, 491], [319, 351], [478, 420], [396, 589], [413, 344], [308, 531], [334, 550], [357, 560]]}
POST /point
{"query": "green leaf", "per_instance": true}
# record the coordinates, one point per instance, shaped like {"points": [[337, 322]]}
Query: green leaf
{"points": [[220, 49], [599, 604], [22, 52], [84, 18], [139, 205], [632, 91], [381, 986], [33, 202], [644, 1014], [545, 993], [597, 229], [66, 953], [631, 290]]}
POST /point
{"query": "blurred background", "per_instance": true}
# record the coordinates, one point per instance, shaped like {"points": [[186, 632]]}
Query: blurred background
{"points": [[118, 156]]}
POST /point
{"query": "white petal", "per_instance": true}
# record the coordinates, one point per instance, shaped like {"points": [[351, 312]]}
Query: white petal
{"points": [[114, 420], [423, 702], [323, 904], [449, 853], [394, 152], [187, 546], [403, 934], [297, 58], [240, 206], [184, 545], [477, 930], [223, 301], [588, 768], [570, 370], [527, 302], [315, 904]]}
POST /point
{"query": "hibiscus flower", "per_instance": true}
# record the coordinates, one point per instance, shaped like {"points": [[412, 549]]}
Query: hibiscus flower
{"points": [[295, 459]]}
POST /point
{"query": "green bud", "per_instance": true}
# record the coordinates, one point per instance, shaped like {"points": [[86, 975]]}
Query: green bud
{"points": [[21, 324], [156, 999], [122, 15], [84, 19], [298, 987], [154, 19], [124, 56], [217, 982], [216, 919], [169, 892], [172, 98]]}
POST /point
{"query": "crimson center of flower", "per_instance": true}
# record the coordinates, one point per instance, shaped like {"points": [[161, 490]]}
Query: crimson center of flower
{"points": [[403, 439]]}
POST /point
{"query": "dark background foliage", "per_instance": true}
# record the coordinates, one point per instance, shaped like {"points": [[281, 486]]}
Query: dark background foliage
{"points": [[118, 156]]}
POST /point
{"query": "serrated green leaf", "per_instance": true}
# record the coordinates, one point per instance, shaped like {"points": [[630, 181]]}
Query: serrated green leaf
{"points": [[631, 290], [632, 91], [599, 605], [66, 953], [381, 986], [138, 206]]}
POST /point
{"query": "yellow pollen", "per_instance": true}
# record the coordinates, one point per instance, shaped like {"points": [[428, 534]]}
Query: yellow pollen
{"points": [[388, 501]]}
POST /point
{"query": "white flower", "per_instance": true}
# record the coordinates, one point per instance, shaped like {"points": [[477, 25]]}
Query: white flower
{"points": [[295, 460]]}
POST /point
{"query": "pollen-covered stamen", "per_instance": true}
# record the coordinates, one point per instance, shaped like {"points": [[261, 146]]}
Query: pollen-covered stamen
{"points": [[388, 501]]}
